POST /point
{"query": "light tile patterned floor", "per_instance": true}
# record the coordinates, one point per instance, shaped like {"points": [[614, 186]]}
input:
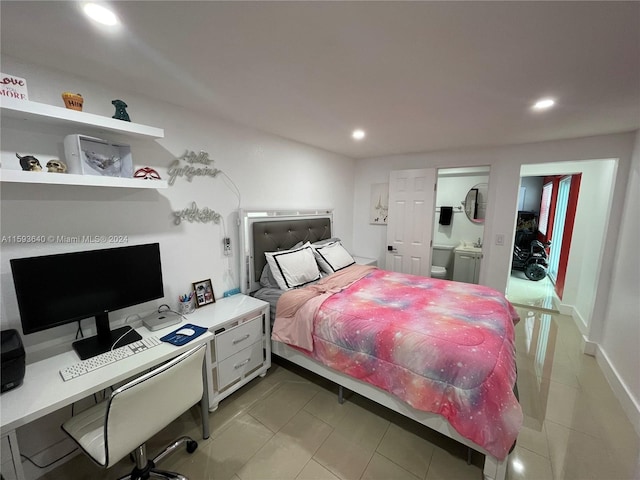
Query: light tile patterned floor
{"points": [[540, 294], [289, 425]]}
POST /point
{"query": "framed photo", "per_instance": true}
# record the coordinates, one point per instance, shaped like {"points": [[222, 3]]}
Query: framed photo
{"points": [[204, 293], [379, 207]]}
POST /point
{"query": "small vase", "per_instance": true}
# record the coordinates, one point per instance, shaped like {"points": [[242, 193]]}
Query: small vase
{"points": [[73, 101]]}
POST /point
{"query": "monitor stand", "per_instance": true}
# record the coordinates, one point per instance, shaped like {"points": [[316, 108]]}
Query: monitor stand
{"points": [[101, 343]]}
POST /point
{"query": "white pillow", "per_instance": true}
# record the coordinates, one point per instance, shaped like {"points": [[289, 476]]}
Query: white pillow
{"points": [[332, 257], [293, 268]]}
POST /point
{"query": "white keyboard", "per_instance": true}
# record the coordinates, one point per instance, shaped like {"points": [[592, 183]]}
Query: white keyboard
{"points": [[93, 363]]}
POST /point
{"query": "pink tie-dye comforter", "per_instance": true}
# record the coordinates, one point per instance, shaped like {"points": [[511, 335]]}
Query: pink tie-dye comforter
{"points": [[442, 347]]}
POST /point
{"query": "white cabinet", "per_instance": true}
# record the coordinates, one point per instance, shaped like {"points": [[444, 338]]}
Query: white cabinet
{"points": [[241, 348], [46, 126], [466, 265], [365, 261]]}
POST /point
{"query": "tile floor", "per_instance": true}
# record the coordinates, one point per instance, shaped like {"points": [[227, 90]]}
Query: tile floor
{"points": [[540, 294], [289, 425]]}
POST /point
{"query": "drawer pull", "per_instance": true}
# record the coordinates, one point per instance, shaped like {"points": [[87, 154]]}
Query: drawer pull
{"points": [[242, 364], [241, 339]]}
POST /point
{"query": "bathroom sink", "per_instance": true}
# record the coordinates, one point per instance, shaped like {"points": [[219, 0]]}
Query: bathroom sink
{"points": [[468, 247]]}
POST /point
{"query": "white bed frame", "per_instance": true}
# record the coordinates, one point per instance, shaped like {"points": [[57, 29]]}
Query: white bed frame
{"points": [[494, 469]]}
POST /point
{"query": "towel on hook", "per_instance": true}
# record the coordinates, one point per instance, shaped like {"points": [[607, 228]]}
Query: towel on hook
{"points": [[445, 215]]}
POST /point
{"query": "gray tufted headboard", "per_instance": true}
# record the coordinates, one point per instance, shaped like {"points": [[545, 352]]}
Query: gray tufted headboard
{"points": [[284, 234], [273, 234]]}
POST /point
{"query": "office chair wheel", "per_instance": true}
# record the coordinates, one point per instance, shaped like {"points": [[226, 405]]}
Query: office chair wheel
{"points": [[191, 446]]}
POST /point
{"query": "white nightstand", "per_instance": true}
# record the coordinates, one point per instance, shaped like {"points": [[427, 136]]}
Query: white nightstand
{"points": [[365, 261], [241, 349]]}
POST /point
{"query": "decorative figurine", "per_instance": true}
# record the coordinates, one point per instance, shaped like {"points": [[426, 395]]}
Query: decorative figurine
{"points": [[56, 166], [121, 112], [29, 163], [73, 101]]}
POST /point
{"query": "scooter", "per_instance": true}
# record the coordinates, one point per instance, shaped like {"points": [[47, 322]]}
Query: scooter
{"points": [[532, 261]]}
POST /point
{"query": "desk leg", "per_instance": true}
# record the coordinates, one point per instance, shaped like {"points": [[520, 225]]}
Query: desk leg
{"points": [[15, 455], [204, 402]]}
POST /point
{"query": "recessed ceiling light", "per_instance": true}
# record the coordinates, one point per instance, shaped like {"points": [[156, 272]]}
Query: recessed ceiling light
{"points": [[544, 104], [358, 134], [100, 14]]}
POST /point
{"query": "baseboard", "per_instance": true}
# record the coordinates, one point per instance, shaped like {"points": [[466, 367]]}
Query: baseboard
{"points": [[565, 309], [629, 404], [581, 324], [588, 347]]}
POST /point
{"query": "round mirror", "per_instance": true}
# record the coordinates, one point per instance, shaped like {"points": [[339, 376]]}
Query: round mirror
{"points": [[475, 203]]}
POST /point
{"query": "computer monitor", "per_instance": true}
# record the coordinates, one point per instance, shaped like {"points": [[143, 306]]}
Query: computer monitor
{"points": [[53, 290]]}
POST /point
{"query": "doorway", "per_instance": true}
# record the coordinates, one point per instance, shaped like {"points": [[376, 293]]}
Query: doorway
{"points": [[427, 225], [531, 221], [458, 221], [580, 266]]}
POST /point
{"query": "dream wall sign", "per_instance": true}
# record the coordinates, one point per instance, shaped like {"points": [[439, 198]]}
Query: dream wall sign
{"points": [[190, 165], [194, 214]]}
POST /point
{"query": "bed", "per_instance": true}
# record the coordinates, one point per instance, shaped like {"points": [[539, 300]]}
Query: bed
{"points": [[408, 343]]}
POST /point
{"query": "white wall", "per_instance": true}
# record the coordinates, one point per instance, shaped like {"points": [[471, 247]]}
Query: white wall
{"points": [[594, 288], [533, 186], [270, 172], [621, 328]]}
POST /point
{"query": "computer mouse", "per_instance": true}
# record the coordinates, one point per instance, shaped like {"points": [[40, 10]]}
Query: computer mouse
{"points": [[186, 332]]}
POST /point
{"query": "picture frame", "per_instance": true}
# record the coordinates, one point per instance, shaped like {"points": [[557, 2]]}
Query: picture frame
{"points": [[379, 205], [204, 293]]}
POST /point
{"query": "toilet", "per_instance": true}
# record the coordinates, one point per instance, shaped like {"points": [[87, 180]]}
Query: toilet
{"points": [[441, 259], [438, 272]]}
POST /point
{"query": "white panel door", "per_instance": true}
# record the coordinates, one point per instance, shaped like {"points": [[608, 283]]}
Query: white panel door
{"points": [[409, 225]]}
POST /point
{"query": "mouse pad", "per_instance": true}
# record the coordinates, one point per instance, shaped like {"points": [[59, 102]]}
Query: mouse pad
{"points": [[177, 339]]}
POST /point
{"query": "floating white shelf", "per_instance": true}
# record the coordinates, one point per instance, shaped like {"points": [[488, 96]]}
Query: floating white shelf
{"points": [[20, 176], [43, 113]]}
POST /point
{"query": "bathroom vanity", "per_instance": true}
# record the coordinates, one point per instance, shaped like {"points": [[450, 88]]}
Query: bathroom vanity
{"points": [[466, 263]]}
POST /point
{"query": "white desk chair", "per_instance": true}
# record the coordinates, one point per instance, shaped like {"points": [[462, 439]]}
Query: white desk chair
{"points": [[135, 412]]}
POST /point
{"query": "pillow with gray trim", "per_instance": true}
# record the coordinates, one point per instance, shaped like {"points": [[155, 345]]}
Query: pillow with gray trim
{"points": [[326, 241], [293, 268], [332, 257]]}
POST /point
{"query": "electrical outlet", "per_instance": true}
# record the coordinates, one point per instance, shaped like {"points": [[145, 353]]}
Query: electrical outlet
{"points": [[226, 242], [500, 239]]}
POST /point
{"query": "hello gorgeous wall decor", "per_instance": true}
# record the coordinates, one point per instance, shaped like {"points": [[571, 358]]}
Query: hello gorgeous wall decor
{"points": [[197, 165]]}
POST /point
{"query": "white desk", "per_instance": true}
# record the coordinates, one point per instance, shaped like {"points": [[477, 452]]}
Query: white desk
{"points": [[43, 390]]}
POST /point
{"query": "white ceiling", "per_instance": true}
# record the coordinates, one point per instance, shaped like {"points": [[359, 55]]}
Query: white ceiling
{"points": [[417, 76]]}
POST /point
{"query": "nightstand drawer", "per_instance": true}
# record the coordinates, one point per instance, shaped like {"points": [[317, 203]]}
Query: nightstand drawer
{"points": [[237, 338], [239, 364]]}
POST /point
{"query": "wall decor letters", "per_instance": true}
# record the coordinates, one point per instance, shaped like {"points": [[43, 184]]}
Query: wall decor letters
{"points": [[193, 168], [194, 214]]}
